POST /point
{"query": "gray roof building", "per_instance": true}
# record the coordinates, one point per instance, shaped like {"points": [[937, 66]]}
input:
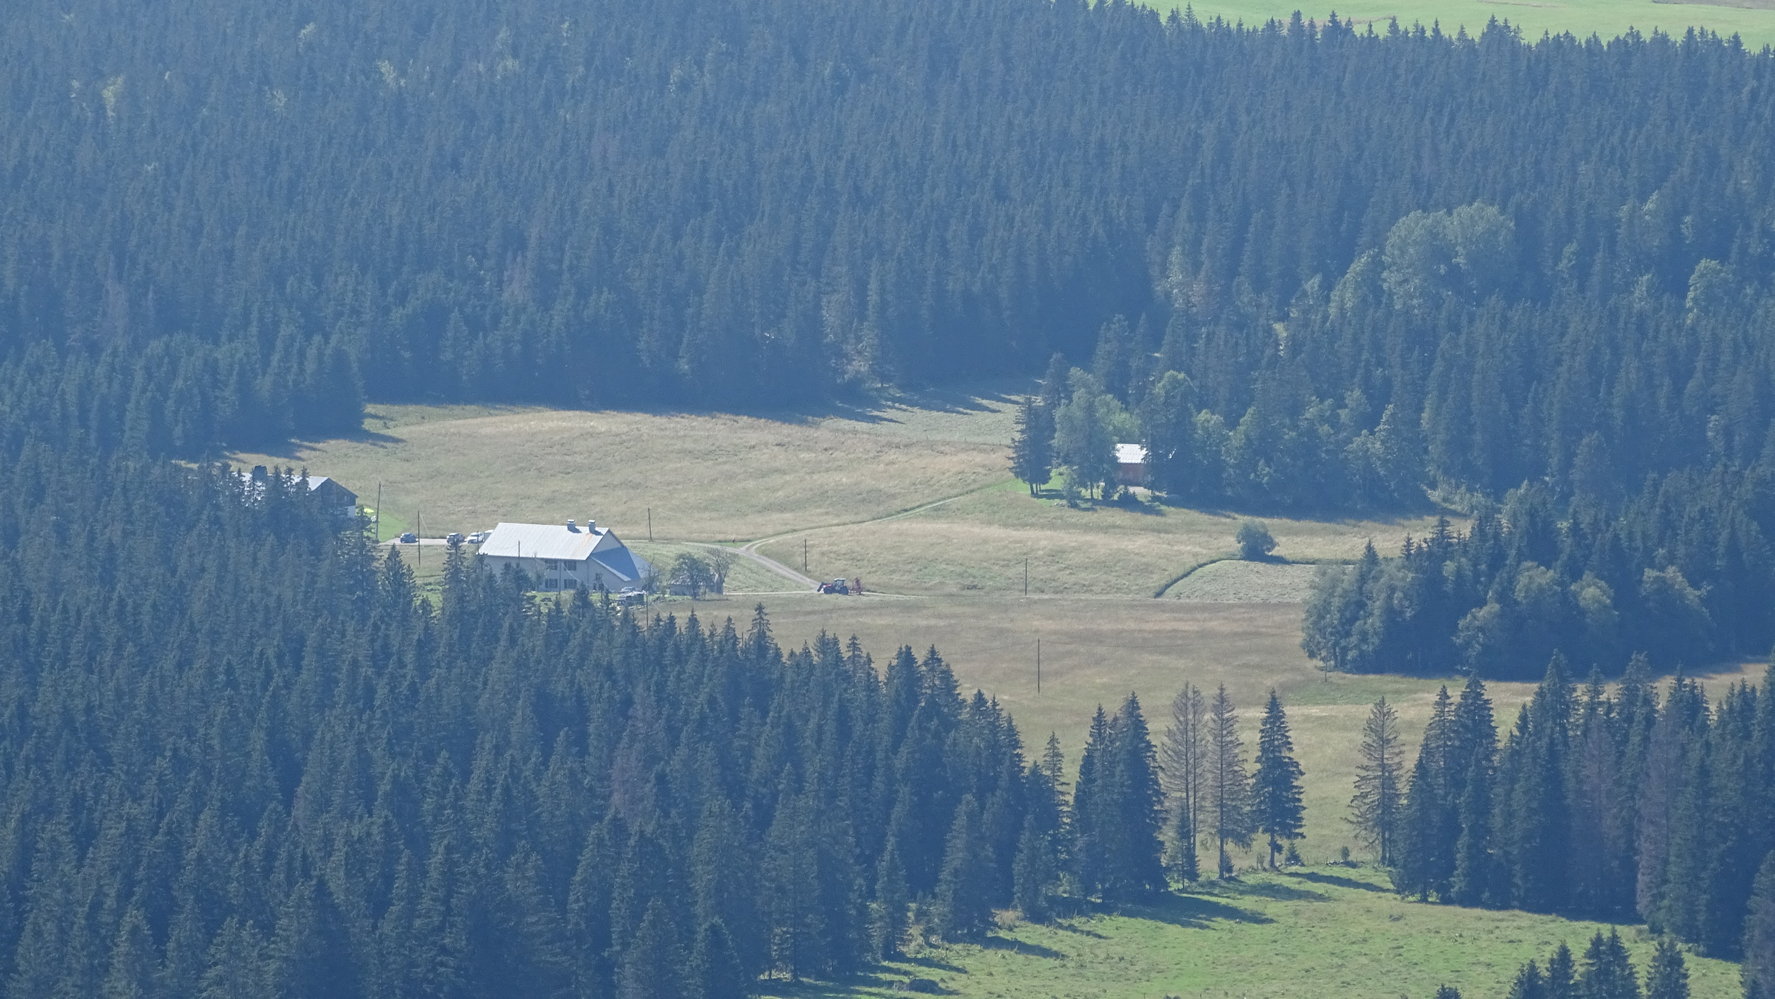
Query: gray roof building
{"points": [[566, 557]]}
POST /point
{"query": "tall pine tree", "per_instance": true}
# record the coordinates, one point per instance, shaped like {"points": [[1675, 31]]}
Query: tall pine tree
{"points": [[1276, 784]]}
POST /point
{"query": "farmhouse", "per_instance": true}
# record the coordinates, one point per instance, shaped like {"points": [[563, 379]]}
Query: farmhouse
{"points": [[566, 557], [1131, 464]]}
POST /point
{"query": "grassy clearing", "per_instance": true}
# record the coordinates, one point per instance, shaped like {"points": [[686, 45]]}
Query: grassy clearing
{"points": [[980, 541], [1236, 582], [1753, 20], [957, 521], [698, 477], [948, 527], [1317, 933]]}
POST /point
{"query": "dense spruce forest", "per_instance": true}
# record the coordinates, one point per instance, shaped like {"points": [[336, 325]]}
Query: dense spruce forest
{"points": [[1318, 268], [239, 756], [1312, 269]]}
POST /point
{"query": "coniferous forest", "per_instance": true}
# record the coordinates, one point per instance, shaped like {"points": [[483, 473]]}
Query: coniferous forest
{"points": [[1324, 268], [1313, 268], [239, 757]]}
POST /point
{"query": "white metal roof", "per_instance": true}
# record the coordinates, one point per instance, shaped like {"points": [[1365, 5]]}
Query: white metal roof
{"points": [[1130, 454], [542, 541]]}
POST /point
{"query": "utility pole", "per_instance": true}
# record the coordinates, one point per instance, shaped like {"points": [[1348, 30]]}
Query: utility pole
{"points": [[804, 556], [1026, 575], [650, 523], [418, 542], [1038, 665], [379, 513]]}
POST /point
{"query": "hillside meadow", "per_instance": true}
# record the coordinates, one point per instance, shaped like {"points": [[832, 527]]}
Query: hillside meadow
{"points": [[1318, 933], [1752, 20], [913, 496]]}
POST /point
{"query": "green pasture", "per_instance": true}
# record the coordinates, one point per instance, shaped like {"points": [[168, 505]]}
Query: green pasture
{"points": [[1752, 20], [1325, 932]]}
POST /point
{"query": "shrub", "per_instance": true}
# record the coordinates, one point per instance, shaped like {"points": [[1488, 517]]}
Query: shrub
{"points": [[1254, 541]]}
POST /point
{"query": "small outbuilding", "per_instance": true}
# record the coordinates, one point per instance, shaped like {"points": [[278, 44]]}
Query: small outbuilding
{"points": [[566, 557], [1131, 464], [325, 492]]}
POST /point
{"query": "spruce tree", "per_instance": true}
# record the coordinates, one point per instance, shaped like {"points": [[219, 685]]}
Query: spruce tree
{"points": [[1538, 826], [1376, 807], [1562, 974], [1469, 787], [1135, 865], [1607, 972], [1759, 935], [1528, 983], [1032, 456], [1228, 788], [1181, 860], [653, 964], [1276, 784], [1088, 827], [715, 970], [961, 909], [1414, 863], [1668, 977], [1475, 878], [889, 923], [1033, 873]]}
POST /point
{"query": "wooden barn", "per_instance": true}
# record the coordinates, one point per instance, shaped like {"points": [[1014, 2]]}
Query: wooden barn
{"points": [[1131, 464]]}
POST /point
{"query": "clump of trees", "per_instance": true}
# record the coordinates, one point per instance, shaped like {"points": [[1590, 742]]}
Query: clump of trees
{"points": [[1596, 804], [1520, 585]]}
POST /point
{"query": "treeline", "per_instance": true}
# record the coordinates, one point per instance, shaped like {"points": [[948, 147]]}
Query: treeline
{"points": [[1600, 805], [660, 203], [240, 756], [1680, 574], [1606, 972]]}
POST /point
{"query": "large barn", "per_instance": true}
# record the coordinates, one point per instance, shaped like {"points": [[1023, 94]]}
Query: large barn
{"points": [[568, 557]]}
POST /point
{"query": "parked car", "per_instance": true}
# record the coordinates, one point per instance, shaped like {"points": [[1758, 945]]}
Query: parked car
{"points": [[478, 537], [453, 539], [409, 538]]}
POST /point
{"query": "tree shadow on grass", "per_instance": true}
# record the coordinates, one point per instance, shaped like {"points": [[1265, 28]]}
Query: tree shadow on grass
{"points": [[1281, 892], [886, 980], [1337, 879], [1191, 911], [933, 964], [1020, 947], [297, 450], [1066, 926]]}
